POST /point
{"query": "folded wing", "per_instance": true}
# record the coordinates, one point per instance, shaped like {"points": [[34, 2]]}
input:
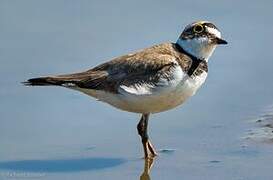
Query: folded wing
{"points": [[137, 73]]}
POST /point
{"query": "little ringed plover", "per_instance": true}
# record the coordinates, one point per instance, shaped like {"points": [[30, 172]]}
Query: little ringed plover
{"points": [[148, 81]]}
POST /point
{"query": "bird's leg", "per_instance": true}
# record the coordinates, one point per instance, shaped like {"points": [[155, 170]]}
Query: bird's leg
{"points": [[151, 148], [142, 131]]}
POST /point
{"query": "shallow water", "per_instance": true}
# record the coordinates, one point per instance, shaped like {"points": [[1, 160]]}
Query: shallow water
{"points": [[55, 133]]}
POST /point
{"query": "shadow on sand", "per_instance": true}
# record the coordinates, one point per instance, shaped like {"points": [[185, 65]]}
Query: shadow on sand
{"points": [[61, 165]]}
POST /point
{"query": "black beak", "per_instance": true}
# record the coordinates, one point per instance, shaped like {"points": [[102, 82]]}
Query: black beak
{"points": [[221, 41]]}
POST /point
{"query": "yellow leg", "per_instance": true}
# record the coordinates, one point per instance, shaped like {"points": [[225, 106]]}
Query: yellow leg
{"points": [[143, 132]]}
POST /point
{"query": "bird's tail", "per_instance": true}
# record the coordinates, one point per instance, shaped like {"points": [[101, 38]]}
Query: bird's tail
{"points": [[44, 81]]}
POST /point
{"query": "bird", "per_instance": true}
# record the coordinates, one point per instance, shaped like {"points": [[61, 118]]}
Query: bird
{"points": [[148, 81]]}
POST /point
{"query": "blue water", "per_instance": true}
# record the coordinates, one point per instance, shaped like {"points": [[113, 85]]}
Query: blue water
{"points": [[67, 135]]}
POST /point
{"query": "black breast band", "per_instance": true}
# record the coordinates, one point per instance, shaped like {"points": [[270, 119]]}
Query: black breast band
{"points": [[195, 61]]}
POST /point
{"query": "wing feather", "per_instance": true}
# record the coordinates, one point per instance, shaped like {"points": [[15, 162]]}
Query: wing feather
{"points": [[138, 72]]}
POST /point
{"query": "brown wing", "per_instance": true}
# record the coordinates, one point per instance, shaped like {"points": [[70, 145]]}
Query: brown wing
{"points": [[145, 66]]}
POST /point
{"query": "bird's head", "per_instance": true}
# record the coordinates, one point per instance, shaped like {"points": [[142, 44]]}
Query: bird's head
{"points": [[200, 39]]}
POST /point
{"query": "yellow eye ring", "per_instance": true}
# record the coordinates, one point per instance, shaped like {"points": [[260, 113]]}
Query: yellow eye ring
{"points": [[198, 28]]}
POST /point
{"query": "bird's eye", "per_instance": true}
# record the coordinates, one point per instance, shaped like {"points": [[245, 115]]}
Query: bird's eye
{"points": [[198, 28]]}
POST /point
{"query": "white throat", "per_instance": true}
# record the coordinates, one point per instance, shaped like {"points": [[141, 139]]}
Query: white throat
{"points": [[198, 47]]}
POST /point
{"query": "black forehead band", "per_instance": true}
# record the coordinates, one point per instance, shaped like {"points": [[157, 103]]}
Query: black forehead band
{"points": [[210, 25]]}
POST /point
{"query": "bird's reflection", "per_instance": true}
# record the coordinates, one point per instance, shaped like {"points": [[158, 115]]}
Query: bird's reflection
{"points": [[147, 168]]}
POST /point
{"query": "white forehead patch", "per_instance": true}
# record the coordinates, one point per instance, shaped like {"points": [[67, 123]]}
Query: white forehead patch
{"points": [[214, 31]]}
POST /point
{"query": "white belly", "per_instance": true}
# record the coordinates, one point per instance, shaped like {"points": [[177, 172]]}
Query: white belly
{"points": [[157, 101]]}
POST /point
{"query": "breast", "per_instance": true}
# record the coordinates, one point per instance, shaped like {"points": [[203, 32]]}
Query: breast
{"points": [[155, 102], [153, 98], [187, 88]]}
